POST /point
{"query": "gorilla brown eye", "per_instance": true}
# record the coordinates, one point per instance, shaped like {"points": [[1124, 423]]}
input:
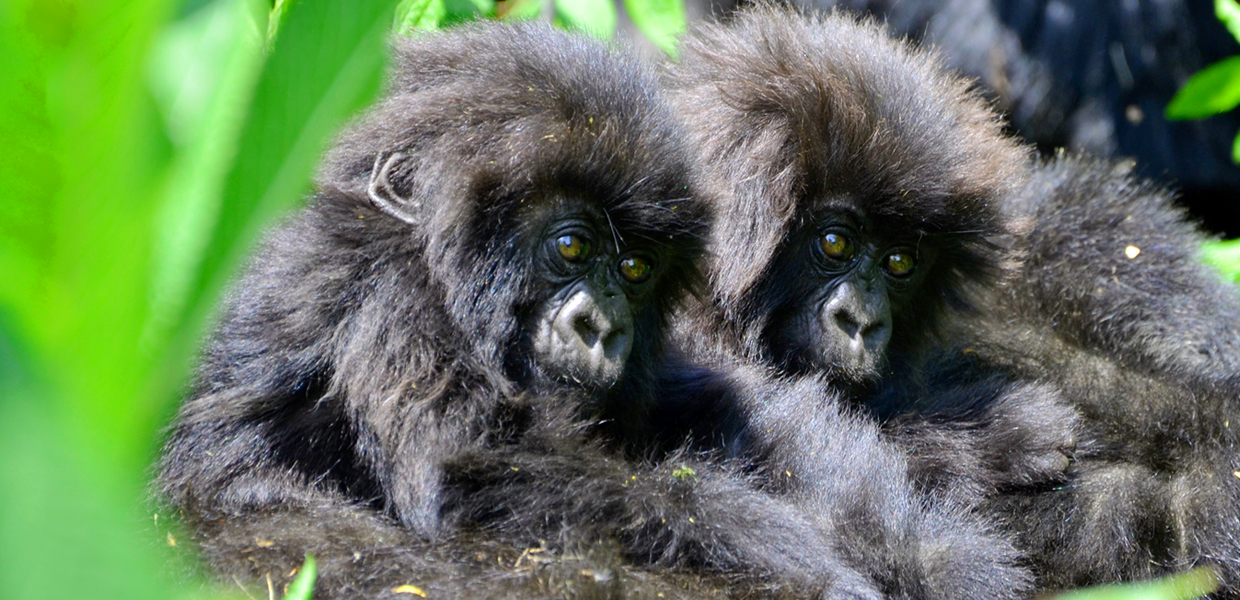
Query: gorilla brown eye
{"points": [[573, 247], [899, 264], [836, 246], [634, 269]]}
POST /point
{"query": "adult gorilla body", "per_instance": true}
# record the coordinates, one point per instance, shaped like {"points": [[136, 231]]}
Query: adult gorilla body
{"points": [[841, 158], [457, 339]]}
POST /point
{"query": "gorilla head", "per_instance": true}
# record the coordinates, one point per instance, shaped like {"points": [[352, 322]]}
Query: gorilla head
{"points": [[858, 182], [552, 214]]}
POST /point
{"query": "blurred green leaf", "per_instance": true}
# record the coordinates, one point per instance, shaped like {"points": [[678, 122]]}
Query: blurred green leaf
{"points": [[114, 241], [302, 586], [461, 11], [1213, 90], [326, 65], [520, 10], [57, 512], [205, 68], [595, 17], [414, 15], [1228, 11], [1224, 256], [83, 149], [661, 21], [276, 18], [1235, 150], [1183, 586]]}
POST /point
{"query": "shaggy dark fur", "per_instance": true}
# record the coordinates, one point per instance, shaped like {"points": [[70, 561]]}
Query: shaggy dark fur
{"points": [[370, 394], [1068, 346], [801, 123], [1112, 305]]}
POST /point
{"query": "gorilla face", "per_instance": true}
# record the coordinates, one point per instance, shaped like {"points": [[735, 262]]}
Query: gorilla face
{"points": [[846, 280], [582, 327]]}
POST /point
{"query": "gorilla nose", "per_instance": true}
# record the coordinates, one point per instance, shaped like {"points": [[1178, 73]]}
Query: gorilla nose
{"points": [[595, 332], [861, 327], [861, 322]]}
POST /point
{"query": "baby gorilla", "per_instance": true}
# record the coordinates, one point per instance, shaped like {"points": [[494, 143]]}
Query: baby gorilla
{"points": [[857, 187], [457, 339], [863, 192]]}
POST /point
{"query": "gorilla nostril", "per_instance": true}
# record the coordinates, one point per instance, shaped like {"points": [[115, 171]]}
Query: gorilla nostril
{"points": [[845, 321], [585, 328], [876, 334], [616, 342]]}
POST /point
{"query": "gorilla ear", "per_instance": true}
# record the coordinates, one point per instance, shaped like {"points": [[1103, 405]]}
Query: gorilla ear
{"points": [[383, 194]]}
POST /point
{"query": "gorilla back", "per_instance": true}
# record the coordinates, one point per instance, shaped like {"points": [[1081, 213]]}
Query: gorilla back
{"points": [[456, 338]]}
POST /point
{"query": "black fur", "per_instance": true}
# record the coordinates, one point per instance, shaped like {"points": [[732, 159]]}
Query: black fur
{"points": [[1036, 338], [797, 118], [370, 395], [1112, 305]]}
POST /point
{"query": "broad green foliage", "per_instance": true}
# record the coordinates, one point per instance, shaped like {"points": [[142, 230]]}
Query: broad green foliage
{"points": [[1216, 88], [520, 10], [661, 21], [1228, 11], [143, 152], [1184, 586], [1213, 90]]}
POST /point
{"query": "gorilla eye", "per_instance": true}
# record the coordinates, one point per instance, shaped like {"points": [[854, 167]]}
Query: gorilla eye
{"points": [[899, 264], [837, 246], [634, 269], [573, 248]]}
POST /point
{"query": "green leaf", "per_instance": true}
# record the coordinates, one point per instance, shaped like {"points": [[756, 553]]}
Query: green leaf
{"points": [[1235, 150], [82, 148], [1224, 256], [1213, 90], [276, 18], [302, 586], [415, 15], [1228, 11], [520, 10], [205, 68], [326, 64], [461, 11], [661, 21], [1184, 586], [595, 17], [485, 7]]}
